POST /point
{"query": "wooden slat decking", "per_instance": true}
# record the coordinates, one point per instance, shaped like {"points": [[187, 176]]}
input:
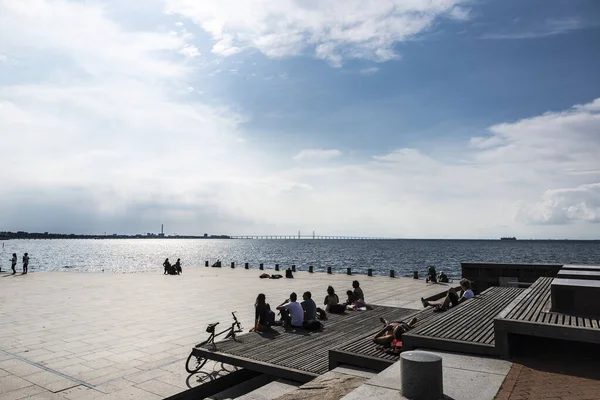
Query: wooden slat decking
{"points": [[300, 355], [529, 314], [467, 328]]}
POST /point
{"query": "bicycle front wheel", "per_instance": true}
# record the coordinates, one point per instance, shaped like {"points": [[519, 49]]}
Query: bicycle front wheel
{"points": [[194, 362]]}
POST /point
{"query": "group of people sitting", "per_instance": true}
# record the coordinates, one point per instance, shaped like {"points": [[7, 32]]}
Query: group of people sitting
{"points": [[174, 269], [305, 314]]}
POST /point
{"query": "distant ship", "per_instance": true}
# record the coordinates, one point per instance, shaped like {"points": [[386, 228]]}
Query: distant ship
{"points": [[508, 238]]}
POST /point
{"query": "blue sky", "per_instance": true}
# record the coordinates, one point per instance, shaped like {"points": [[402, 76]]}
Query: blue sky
{"points": [[449, 118]]}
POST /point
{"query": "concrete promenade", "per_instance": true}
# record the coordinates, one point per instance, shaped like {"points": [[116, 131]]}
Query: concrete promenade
{"points": [[67, 335]]}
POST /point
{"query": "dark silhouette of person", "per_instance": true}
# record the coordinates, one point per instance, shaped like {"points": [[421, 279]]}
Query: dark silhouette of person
{"points": [[177, 266], [13, 263], [25, 262], [167, 266]]}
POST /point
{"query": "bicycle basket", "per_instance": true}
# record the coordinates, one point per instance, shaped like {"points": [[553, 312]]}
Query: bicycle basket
{"points": [[210, 328]]}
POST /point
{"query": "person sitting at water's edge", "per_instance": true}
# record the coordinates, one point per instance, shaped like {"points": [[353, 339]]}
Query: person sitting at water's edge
{"points": [[292, 313], [177, 267], [309, 307], [263, 316], [217, 264], [288, 273], [358, 293], [452, 298], [393, 330]]}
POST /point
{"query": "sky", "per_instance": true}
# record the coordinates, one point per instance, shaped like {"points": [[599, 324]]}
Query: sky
{"points": [[388, 118]]}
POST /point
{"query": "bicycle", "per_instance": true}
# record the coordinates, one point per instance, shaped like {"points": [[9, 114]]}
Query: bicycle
{"points": [[194, 362]]}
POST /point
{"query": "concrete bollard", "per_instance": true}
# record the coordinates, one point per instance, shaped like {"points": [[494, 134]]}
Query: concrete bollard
{"points": [[261, 266], [293, 268], [415, 274], [392, 274], [276, 267], [349, 271], [329, 270], [310, 269], [246, 266], [206, 263], [232, 264], [421, 375], [370, 272]]}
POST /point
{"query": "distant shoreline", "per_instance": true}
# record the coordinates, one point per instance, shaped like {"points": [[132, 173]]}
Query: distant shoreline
{"points": [[26, 235]]}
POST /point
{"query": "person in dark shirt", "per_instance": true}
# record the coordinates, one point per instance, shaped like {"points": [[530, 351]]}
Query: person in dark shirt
{"points": [[262, 314], [309, 306], [167, 266], [177, 266]]}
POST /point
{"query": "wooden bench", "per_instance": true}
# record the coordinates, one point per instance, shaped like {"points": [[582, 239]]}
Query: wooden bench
{"points": [[530, 315], [301, 355], [467, 328]]}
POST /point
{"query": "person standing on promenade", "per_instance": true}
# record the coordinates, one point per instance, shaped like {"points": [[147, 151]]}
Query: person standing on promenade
{"points": [[167, 266], [25, 262], [177, 266], [13, 263]]}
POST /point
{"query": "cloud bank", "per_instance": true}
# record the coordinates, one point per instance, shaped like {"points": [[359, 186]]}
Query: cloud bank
{"points": [[333, 30]]}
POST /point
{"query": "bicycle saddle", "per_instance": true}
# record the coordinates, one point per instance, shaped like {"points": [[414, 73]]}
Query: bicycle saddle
{"points": [[213, 324]]}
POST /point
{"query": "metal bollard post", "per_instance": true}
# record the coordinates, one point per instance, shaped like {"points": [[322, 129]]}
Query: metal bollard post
{"points": [[276, 267], [206, 263], [246, 266], [329, 270], [349, 271], [261, 266], [293, 268], [392, 273], [415, 274], [232, 264], [310, 269], [370, 272]]}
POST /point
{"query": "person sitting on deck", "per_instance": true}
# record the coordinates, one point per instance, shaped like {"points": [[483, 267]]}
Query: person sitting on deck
{"points": [[167, 266], [263, 316], [393, 330], [309, 307], [452, 298], [332, 302], [177, 266], [217, 264], [288, 273], [350, 300], [291, 311], [358, 294]]}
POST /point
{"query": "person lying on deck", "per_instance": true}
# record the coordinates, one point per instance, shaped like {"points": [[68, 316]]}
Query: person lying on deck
{"points": [[452, 298], [263, 316], [393, 330]]}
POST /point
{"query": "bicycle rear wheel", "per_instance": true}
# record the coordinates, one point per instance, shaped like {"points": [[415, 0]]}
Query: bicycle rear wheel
{"points": [[194, 363]]}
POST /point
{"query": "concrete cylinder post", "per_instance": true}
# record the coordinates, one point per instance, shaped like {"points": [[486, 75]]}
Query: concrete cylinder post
{"points": [[206, 263], [293, 268], [276, 267], [246, 265], [415, 274], [421, 375], [370, 272], [232, 264], [349, 271], [310, 269], [261, 266], [392, 273], [329, 270]]}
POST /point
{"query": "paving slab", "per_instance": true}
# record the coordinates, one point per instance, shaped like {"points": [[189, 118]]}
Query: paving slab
{"points": [[103, 332]]}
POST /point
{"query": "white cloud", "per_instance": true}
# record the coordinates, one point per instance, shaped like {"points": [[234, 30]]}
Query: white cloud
{"points": [[550, 27], [337, 30], [369, 71], [317, 155], [190, 51], [564, 206]]}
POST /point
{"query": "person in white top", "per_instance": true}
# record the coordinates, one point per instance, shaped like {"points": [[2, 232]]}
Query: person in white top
{"points": [[452, 298], [291, 311]]}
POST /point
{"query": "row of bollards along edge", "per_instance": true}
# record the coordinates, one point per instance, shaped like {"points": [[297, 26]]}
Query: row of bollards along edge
{"points": [[261, 266]]}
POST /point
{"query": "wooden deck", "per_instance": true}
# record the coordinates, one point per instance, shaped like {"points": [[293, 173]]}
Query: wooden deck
{"points": [[529, 314], [300, 355], [467, 328]]}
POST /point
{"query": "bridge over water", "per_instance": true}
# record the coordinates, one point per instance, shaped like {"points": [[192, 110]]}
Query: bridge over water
{"points": [[313, 237]]}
